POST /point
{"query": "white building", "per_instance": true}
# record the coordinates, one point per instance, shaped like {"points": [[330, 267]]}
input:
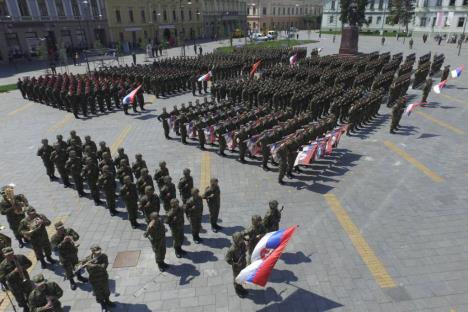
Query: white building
{"points": [[377, 12], [440, 16], [453, 15]]}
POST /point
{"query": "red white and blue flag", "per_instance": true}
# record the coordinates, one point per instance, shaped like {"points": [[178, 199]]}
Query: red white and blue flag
{"points": [[252, 145], [206, 77], [305, 156], [412, 107], [457, 71], [229, 138], [293, 60], [439, 86], [130, 98], [210, 134], [265, 256]]}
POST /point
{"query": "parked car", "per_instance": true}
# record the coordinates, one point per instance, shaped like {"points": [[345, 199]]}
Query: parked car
{"points": [[272, 34]]}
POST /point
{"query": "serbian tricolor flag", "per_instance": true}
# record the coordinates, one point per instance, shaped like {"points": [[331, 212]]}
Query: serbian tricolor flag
{"points": [[206, 77], [293, 60], [439, 86], [252, 145], [254, 68], [265, 256], [412, 107], [130, 98], [304, 157], [210, 134], [457, 71], [191, 130]]}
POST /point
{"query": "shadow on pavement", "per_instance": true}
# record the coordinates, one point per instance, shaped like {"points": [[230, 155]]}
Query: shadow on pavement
{"points": [[295, 258], [185, 271], [201, 256]]}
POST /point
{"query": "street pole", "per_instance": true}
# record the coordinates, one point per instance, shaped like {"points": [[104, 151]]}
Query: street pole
{"points": [[463, 35]]}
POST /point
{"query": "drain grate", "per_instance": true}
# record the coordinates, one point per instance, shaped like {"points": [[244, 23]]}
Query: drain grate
{"points": [[125, 259]]}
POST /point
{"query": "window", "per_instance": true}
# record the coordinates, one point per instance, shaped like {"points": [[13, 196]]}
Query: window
{"points": [[284, 11], [434, 19], [388, 20], [23, 7], [465, 2], [42, 8], [330, 19], [425, 3], [422, 22], [190, 15], [371, 4], [143, 16], [60, 9], [118, 18], [333, 5], [130, 16], [182, 17], [165, 15], [3, 10], [379, 20], [380, 4], [95, 8], [439, 3], [197, 14], [289, 11], [274, 11], [75, 8], [461, 22], [174, 16], [452, 3], [369, 20], [264, 11]]}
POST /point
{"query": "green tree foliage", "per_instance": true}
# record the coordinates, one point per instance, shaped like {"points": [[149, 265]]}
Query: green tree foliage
{"points": [[361, 11], [402, 12]]}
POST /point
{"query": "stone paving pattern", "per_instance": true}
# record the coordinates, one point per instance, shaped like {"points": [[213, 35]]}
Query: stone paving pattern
{"points": [[417, 228]]}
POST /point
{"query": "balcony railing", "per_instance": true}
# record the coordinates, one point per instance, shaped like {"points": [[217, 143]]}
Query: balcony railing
{"points": [[50, 18]]}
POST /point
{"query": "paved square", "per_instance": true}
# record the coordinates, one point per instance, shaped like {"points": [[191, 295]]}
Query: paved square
{"points": [[368, 208]]}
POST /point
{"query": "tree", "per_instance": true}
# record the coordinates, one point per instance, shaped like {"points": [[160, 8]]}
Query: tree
{"points": [[402, 12], [361, 11]]}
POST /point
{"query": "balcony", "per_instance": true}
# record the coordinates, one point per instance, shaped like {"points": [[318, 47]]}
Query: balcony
{"points": [[26, 19]]}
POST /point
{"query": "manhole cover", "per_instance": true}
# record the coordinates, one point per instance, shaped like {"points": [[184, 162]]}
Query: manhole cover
{"points": [[125, 259]]}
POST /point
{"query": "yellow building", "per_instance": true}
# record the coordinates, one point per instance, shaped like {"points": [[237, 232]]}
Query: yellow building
{"points": [[135, 23]]}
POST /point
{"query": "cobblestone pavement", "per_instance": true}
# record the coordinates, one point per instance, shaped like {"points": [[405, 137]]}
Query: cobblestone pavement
{"points": [[383, 224]]}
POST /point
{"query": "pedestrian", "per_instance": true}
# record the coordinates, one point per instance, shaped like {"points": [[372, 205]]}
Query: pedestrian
{"points": [[411, 43], [383, 40], [134, 58], [200, 50]]}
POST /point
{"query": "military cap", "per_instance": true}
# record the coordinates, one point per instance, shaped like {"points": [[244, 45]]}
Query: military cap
{"points": [[58, 225], [39, 279], [95, 247], [273, 203], [73, 132], [30, 209], [7, 251], [162, 163], [186, 171]]}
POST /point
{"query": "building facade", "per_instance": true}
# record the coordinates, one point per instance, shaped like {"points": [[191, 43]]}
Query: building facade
{"points": [[265, 15], [135, 23], [64, 25], [221, 18], [441, 16], [377, 16], [430, 16]]}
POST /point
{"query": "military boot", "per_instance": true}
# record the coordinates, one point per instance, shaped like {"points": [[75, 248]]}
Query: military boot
{"points": [[72, 284]]}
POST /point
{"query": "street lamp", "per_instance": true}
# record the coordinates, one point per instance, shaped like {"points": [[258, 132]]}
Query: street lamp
{"points": [[182, 35]]}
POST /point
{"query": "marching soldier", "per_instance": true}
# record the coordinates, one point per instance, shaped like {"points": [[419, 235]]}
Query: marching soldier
{"points": [[272, 217], [5, 241], [44, 152], [33, 227], [237, 258], [149, 203], [107, 161], [164, 118], [160, 173], [212, 196], [144, 181], [138, 165], [91, 174], [12, 206], [120, 155], [96, 265], [90, 143], [194, 210], [124, 171], [14, 275], [426, 90], [59, 158], [156, 233], [254, 233], [167, 192], [64, 242], [103, 148], [185, 185], [74, 166], [106, 183], [75, 143], [129, 194], [45, 295], [175, 219]]}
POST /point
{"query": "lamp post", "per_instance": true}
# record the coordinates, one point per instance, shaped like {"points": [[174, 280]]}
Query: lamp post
{"points": [[289, 23], [182, 35], [463, 35]]}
